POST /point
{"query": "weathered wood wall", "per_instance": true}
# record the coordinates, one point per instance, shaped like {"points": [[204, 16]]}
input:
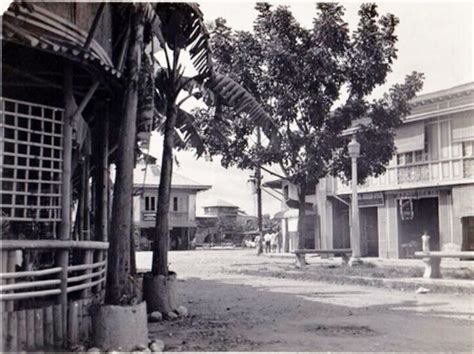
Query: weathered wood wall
{"points": [[42, 328], [82, 15]]}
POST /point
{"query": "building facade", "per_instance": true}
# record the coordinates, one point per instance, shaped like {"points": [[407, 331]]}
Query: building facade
{"points": [[428, 187], [182, 213]]}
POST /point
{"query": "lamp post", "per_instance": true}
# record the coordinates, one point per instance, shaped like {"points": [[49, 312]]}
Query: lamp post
{"points": [[354, 152]]}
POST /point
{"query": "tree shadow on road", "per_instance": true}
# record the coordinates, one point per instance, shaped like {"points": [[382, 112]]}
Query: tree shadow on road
{"points": [[243, 317]]}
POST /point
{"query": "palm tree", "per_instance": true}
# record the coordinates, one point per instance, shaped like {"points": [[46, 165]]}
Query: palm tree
{"points": [[183, 28]]}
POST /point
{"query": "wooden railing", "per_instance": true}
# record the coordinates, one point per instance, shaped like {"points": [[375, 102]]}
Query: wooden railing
{"points": [[417, 175], [55, 292]]}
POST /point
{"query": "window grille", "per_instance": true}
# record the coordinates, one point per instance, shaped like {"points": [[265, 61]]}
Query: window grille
{"points": [[30, 161]]}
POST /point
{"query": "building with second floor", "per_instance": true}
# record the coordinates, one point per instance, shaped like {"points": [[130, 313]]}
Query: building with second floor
{"points": [[182, 212], [428, 185]]}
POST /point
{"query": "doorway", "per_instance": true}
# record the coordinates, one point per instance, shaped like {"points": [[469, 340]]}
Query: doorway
{"points": [[424, 218], [341, 228], [468, 233], [369, 233]]}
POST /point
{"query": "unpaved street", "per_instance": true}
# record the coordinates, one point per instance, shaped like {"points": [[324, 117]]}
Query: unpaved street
{"points": [[230, 310]]}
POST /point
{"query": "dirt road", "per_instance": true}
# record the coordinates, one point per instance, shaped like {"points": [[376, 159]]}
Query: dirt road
{"points": [[230, 310]]}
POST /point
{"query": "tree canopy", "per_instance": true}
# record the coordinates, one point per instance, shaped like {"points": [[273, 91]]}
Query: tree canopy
{"points": [[315, 83]]}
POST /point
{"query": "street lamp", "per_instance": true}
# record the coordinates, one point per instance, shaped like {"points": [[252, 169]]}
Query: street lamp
{"points": [[354, 152]]}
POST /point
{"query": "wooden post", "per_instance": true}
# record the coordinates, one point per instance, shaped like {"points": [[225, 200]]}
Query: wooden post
{"points": [[58, 326], [102, 220], [48, 327], [65, 225], [30, 329], [104, 224], [12, 341], [85, 205], [73, 328], [88, 259], [22, 342], [3, 269], [39, 329], [11, 264], [4, 332]]}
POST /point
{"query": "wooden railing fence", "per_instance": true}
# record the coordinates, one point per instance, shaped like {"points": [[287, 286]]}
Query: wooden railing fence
{"points": [[49, 308]]}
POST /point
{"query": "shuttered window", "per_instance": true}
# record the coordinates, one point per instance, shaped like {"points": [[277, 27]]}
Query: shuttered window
{"points": [[410, 137], [463, 128]]}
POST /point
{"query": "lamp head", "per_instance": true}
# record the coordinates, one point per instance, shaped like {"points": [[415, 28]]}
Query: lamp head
{"points": [[353, 148]]}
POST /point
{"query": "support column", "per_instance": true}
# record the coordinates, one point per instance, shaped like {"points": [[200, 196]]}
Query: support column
{"points": [[66, 189]]}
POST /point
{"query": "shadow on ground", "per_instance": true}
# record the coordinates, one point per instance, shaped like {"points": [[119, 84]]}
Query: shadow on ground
{"points": [[235, 317]]}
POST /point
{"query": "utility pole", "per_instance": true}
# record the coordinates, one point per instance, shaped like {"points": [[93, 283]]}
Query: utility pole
{"points": [[258, 177]]}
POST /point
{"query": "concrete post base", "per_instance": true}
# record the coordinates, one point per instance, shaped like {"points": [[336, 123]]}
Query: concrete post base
{"points": [[432, 267], [121, 328], [159, 292], [355, 262]]}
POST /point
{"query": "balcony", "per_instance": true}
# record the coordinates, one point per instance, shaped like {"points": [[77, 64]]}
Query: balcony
{"points": [[422, 174]]}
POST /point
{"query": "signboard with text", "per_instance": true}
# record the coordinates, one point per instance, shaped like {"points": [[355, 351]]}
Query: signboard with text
{"points": [[373, 199], [149, 216]]}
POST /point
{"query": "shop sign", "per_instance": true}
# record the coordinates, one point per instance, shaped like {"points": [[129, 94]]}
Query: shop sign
{"points": [[406, 209], [373, 199], [149, 216]]}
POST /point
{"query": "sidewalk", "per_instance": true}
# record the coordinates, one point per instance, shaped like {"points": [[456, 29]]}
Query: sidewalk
{"points": [[448, 263], [449, 285]]}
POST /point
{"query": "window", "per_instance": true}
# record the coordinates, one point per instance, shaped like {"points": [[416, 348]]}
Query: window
{"points": [[418, 156], [409, 158], [150, 204], [468, 149], [175, 203]]}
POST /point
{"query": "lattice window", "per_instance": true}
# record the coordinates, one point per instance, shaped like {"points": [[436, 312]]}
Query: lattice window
{"points": [[30, 161]]}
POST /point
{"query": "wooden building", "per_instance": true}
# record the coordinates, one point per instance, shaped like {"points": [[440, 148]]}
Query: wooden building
{"points": [[62, 85], [182, 213]]}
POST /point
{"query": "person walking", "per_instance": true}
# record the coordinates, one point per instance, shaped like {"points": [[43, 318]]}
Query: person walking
{"points": [[268, 240]]}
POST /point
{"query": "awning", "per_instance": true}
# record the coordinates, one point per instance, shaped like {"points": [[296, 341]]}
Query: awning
{"points": [[410, 137], [463, 128]]}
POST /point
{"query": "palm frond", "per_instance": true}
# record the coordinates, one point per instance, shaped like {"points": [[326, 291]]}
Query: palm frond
{"points": [[234, 95], [200, 51], [185, 124]]}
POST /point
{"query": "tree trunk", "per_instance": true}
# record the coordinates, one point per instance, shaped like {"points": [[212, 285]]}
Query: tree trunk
{"points": [[158, 287], [301, 216], [161, 244], [118, 270]]}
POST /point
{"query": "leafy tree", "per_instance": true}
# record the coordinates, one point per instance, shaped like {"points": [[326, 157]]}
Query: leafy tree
{"points": [[315, 83], [183, 29]]}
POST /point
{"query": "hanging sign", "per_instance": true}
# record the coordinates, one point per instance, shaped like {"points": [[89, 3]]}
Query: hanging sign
{"points": [[149, 215], [406, 209], [366, 200]]}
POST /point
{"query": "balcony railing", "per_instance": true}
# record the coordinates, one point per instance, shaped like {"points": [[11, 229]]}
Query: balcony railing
{"points": [[418, 174]]}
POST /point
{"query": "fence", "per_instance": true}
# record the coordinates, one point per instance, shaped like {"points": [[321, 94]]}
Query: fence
{"points": [[49, 308]]}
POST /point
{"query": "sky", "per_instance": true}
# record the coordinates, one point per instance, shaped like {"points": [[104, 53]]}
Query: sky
{"points": [[435, 38]]}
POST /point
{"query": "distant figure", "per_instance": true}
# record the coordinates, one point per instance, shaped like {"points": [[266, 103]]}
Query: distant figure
{"points": [[279, 240], [268, 240], [274, 242]]}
